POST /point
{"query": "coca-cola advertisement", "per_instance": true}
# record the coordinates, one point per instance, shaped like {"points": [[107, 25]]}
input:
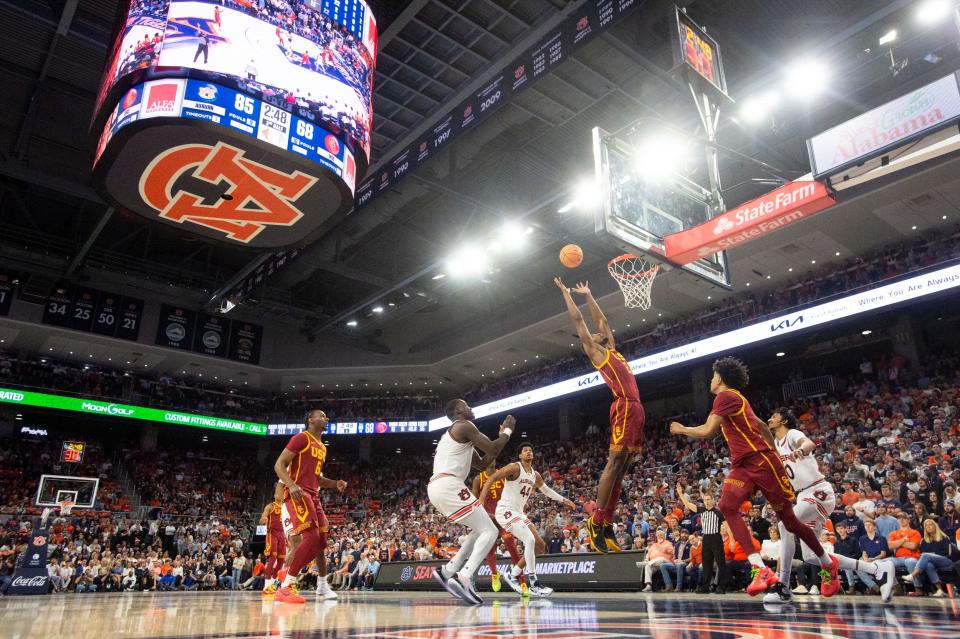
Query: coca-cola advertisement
{"points": [[30, 576]]}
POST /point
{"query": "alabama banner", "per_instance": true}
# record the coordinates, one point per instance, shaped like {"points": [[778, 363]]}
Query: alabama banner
{"points": [[790, 203]]}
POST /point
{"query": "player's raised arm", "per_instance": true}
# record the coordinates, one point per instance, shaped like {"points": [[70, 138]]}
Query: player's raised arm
{"points": [[704, 431], [603, 326], [586, 339], [465, 429]]}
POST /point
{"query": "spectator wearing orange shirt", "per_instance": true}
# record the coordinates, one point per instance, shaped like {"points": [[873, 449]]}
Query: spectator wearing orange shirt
{"points": [[738, 566], [659, 555], [905, 544]]}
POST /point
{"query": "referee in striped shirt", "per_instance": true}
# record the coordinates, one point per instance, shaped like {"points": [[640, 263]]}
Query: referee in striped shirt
{"points": [[710, 520]]}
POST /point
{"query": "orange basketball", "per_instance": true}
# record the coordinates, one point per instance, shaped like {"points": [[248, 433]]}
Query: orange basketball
{"points": [[571, 256]]}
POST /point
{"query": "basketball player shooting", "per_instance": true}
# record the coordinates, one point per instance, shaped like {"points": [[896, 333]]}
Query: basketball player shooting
{"points": [[754, 465], [626, 413], [519, 481], [275, 548], [456, 454], [300, 468]]}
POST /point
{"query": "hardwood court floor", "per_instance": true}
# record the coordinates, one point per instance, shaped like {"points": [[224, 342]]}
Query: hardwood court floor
{"points": [[432, 615]]}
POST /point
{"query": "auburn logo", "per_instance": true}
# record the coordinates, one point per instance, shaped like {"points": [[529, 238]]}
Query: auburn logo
{"points": [[257, 197]]}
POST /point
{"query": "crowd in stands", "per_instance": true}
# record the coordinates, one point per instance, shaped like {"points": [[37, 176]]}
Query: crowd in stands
{"points": [[890, 443]]}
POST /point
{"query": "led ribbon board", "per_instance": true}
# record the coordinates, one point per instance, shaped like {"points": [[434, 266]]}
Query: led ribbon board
{"points": [[875, 299], [107, 409]]}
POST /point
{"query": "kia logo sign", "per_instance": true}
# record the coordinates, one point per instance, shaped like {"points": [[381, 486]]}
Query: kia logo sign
{"points": [[787, 323]]}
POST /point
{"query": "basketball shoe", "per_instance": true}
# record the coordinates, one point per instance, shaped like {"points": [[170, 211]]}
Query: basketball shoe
{"points": [[610, 539], [512, 581], [763, 578], [495, 582], [597, 540], [270, 589], [778, 594], [830, 578], [290, 594], [462, 584], [444, 581], [324, 591]]}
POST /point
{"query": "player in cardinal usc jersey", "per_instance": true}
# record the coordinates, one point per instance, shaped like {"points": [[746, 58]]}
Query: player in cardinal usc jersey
{"points": [[490, 505], [275, 544], [300, 468], [815, 503], [754, 465], [626, 413]]}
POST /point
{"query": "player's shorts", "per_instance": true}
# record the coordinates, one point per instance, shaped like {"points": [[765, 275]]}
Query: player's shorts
{"points": [[451, 497], [298, 515], [815, 504], [626, 425], [509, 518], [275, 544], [760, 471]]}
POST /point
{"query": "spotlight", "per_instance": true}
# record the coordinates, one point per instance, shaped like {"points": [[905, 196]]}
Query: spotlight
{"points": [[470, 260], [781, 354], [659, 156], [758, 107], [888, 37], [513, 236], [377, 309], [932, 11], [866, 332], [806, 78], [352, 323]]}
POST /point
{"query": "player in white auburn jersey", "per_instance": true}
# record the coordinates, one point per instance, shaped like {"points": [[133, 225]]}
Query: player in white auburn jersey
{"points": [[456, 454], [520, 480], [815, 503]]}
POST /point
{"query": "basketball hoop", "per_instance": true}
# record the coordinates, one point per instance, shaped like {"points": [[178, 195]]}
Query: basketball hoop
{"points": [[66, 507], [635, 276]]}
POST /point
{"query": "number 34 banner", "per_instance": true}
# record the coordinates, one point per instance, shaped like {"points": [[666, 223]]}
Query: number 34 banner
{"points": [[93, 311]]}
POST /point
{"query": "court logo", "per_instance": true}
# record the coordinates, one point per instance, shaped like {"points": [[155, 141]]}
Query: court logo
{"points": [[257, 196], [406, 573]]}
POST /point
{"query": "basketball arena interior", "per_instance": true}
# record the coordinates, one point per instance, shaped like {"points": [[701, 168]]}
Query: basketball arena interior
{"points": [[480, 318]]}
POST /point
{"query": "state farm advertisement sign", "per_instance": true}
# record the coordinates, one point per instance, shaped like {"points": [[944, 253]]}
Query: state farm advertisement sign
{"points": [[877, 131], [788, 204]]}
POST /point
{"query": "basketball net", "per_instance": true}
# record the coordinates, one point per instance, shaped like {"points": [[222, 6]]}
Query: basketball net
{"points": [[635, 276]]}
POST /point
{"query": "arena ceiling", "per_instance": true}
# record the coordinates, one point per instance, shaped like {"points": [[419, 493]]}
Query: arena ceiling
{"points": [[517, 167]]}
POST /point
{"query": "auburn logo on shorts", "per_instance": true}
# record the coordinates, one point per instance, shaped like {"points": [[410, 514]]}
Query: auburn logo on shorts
{"points": [[257, 196]]}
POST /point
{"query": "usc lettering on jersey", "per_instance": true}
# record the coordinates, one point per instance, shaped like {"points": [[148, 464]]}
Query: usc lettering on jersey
{"points": [[496, 491]]}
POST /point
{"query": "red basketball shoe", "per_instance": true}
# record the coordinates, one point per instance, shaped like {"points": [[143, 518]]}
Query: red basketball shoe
{"points": [[830, 578], [289, 595], [763, 578]]}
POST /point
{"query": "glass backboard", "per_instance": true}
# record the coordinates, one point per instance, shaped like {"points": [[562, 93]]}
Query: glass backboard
{"points": [[637, 213], [54, 489]]}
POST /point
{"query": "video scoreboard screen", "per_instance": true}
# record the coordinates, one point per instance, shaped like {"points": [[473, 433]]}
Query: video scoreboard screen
{"points": [[316, 56], [356, 428], [93, 311]]}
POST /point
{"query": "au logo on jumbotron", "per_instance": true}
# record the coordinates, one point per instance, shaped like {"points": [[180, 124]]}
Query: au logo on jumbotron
{"points": [[257, 196]]}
